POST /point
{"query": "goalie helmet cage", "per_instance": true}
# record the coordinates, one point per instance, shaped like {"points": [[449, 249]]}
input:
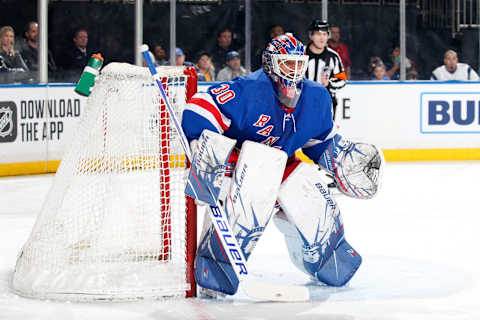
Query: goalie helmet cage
{"points": [[116, 224]]}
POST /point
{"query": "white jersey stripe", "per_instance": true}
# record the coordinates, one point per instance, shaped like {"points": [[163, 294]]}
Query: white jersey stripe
{"points": [[313, 142], [209, 99], [204, 114]]}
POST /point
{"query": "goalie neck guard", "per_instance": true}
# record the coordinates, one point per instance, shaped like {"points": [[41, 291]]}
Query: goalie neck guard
{"points": [[285, 62]]}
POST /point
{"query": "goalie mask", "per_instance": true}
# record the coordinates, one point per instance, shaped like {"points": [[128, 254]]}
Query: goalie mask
{"points": [[285, 61]]}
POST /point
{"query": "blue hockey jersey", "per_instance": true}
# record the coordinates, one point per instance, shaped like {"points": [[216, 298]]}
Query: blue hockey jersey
{"points": [[246, 108]]}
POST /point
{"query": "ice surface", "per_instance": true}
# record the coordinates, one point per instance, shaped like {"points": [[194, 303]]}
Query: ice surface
{"points": [[418, 239]]}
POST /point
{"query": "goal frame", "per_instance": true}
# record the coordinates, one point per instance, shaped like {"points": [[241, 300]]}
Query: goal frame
{"points": [[24, 282]]}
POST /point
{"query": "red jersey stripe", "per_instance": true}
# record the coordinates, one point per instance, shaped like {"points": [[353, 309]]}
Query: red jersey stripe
{"points": [[210, 108]]}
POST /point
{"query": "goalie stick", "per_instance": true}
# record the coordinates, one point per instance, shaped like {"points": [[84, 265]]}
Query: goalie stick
{"points": [[220, 222]]}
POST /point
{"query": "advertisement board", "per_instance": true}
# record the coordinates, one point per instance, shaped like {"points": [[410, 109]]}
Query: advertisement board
{"points": [[35, 123], [420, 120]]}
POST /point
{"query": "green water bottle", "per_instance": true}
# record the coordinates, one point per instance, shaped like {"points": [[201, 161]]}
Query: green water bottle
{"points": [[87, 80]]}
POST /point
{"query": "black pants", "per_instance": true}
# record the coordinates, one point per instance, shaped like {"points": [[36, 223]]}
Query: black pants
{"points": [[334, 105]]}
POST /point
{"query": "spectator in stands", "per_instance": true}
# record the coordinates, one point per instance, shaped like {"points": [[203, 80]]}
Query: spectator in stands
{"points": [[341, 48], [223, 46], [76, 58], [205, 68], [180, 58], [393, 68], [12, 66], [29, 48], [379, 72], [233, 69], [372, 62], [12, 59], [276, 30], [453, 70], [160, 56]]}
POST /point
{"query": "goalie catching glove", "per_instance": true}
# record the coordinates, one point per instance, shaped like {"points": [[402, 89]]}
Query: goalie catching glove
{"points": [[356, 167]]}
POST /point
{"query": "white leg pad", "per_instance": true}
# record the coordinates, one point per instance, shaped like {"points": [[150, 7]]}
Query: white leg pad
{"points": [[313, 228], [249, 206], [292, 239], [253, 192], [307, 202], [255, 185]]}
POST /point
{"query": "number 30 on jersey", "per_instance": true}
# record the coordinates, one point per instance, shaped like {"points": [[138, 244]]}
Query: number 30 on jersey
{"points": [[223, 94]]}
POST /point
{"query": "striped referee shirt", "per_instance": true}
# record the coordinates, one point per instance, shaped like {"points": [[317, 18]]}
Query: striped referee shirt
{"points": [[327, 62]]}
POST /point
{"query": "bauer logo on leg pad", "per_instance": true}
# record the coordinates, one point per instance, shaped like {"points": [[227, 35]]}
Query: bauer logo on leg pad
{"points": [[326, 194], [224, 234], [238, 183]]}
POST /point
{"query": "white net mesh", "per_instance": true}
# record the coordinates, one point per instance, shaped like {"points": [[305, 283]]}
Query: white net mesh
{"points": [[113, 224]]}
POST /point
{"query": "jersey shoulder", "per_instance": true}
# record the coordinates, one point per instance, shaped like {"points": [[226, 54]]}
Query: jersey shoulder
{"points": [[314, 88], [235, 98], [253, 81], [333, 53], [316, 96]]}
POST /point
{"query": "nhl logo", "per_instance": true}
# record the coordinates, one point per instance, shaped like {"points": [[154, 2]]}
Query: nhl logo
{"points": [[8, 121]]}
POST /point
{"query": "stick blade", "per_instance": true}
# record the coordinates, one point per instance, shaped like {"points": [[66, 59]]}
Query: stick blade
{"points": [[280, 293]]}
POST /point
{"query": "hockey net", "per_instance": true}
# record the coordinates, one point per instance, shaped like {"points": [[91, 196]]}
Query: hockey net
{"points": [[115, 224]]}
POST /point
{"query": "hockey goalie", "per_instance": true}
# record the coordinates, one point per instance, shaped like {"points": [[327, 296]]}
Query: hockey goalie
{"points": [[244, 134]]}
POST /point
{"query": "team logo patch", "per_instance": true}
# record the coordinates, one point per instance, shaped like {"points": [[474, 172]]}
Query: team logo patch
{"points": [[8, 121]]}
